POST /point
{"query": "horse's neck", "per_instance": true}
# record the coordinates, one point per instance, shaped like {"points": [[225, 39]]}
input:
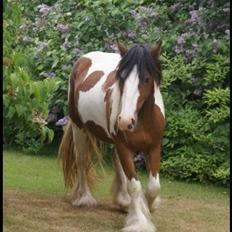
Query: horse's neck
{"points": [[146, 112]]}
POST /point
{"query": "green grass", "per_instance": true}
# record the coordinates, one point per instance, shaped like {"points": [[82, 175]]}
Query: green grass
{"points": [[32, 182], [42, 174], [31, 173]]}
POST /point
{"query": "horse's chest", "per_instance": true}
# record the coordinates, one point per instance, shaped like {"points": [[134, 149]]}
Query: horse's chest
{"points": [[139, 140]]}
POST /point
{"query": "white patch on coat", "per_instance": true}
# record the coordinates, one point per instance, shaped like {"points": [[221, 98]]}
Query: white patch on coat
{"points": [[130, 96], [152, 192], [91, 104], [139, 218], [159, 99], [115, 98]]}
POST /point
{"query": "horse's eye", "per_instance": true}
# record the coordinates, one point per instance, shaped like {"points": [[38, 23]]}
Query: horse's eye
{"points": [[147, 80]]}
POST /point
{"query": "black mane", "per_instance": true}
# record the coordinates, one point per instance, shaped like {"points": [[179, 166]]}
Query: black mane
{"points": [[139, 55]]}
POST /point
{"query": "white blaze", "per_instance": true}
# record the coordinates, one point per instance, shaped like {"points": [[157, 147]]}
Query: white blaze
{"points": [[130, 95]]}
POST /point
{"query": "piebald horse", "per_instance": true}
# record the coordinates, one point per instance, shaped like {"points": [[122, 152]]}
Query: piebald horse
{"points": [[115, 98]]}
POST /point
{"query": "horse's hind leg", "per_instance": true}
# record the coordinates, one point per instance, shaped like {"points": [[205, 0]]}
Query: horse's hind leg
{"points": [[120, 193], [82, 194], [153, 187]]}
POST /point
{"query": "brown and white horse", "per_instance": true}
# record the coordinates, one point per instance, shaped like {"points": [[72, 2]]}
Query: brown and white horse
{"points": [[116, 98]]}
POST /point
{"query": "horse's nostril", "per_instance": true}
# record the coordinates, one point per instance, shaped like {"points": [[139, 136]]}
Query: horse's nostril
{"points": [[130, 127], [133, 121], [119, 117]]}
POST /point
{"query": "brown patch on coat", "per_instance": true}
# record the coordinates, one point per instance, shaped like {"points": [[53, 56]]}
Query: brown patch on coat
{"points": [[79, 72], [146, 89], [98, 131], [108, 101], [91, 81], [126, 158], [111, 78]]}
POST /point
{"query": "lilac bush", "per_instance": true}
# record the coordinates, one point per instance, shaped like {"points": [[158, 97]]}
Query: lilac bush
{"points": [[62, 122], [195, 50]]}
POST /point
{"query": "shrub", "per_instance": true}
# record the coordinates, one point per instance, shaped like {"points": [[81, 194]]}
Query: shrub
{"points": [[195, 51], [25, 102]]}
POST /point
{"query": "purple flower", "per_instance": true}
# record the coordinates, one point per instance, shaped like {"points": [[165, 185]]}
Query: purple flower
{"points": [[27, 39], [180, 39], [226, 10], [178, 49], [65, 67], [47, 74], [62, 28], [194, 45], [175, 7], [149, 11], [62, 122], [66, 44], [41, 46], [215, 46], [194, 17], [227, 32], [115, 48], [44, 9], [131, 34], [189, 54], [197, 92], [76, 51], [23, 27], [134, 13]]}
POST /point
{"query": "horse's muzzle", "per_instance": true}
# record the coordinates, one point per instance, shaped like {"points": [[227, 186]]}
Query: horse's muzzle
{"points": [[126, 124]]}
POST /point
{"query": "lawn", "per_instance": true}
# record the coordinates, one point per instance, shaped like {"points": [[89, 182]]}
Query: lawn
{"points": [[35, 200]]}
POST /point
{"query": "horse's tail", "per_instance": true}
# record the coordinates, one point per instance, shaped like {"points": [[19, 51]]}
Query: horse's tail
{"points": [[76, 157]]}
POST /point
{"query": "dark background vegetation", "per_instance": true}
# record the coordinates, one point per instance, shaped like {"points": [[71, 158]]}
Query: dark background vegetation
{"points": [[43, 39]]}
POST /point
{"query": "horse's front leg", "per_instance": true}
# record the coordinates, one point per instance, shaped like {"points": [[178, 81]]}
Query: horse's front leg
{"points": [[120, 193], [139, 218], [153, 187]]}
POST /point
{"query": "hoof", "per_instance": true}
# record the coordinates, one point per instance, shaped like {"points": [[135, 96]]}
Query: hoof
{"points": [[123, 200], [139, 224], [155, 205], [85, 200]]}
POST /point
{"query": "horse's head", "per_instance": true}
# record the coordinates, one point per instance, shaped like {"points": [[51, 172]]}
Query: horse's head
{"points": [[138, 72]]}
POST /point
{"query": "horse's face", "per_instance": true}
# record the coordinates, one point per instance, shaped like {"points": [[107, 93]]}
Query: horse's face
{"points": [[136, 87], [134, 92]]}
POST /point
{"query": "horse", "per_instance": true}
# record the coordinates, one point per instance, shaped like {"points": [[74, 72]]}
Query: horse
{"points": [[115, 98]]}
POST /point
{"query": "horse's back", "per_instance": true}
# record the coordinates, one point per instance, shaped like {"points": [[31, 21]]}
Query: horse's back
{"points": [[103, 60]]}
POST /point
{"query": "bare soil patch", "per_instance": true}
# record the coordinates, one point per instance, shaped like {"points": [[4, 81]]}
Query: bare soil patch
{"points": [[30, 212]]}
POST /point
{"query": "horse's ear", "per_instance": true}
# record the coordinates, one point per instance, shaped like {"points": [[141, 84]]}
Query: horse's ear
{"points": [[155, 51], [122, 49]]}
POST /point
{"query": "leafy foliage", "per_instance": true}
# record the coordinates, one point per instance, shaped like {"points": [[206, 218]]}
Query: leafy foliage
{"points": [[25, 102], [195, 61]]}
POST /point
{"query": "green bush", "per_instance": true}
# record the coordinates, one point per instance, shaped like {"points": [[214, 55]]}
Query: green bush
{"points": [[25, 101], [196, 140], [195, 61]]}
